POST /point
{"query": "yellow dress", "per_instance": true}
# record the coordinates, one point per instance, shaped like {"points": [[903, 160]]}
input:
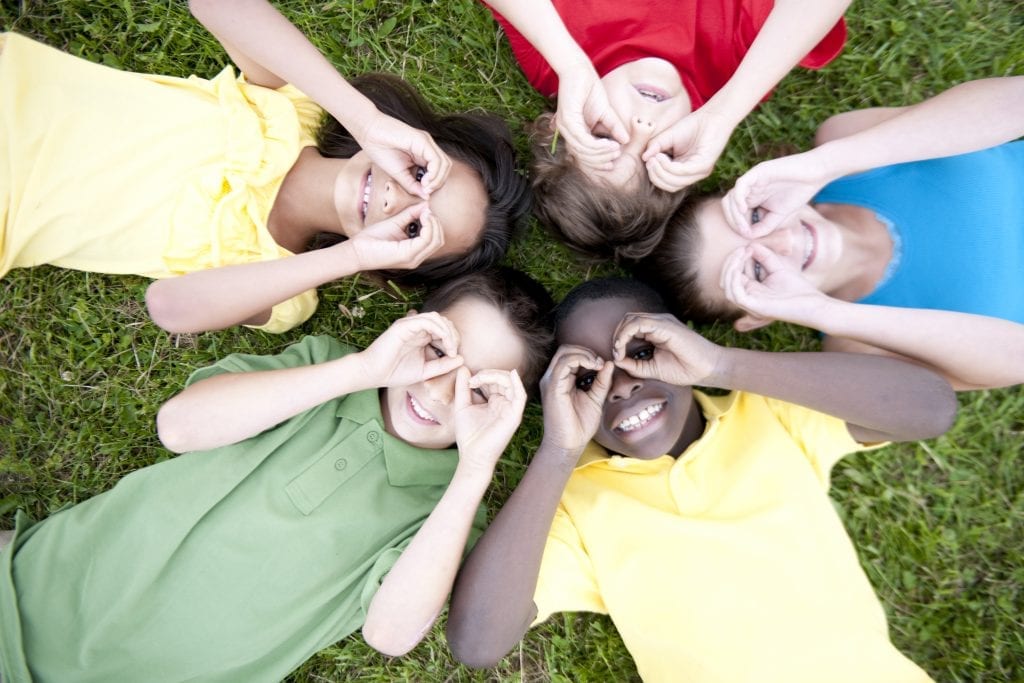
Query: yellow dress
{"points": [[118, 172]]}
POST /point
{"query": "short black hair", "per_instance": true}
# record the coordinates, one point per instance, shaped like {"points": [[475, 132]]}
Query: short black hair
{"points": [[609, 288], [526, 304]]}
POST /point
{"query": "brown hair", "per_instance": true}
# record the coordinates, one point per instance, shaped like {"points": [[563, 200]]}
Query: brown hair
{"points": [[526, 304], [672, 267], [594, 220], [481, 141]]}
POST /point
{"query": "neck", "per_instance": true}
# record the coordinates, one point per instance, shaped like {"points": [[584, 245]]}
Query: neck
{"points": [[693, 427], [304, 205], [867, 250]]}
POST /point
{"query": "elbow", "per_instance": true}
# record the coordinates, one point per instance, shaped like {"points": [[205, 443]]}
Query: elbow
{"points": [[470, 644], [171, 429], [388, 642], [166, 309], [201, 9], [940, 406]]}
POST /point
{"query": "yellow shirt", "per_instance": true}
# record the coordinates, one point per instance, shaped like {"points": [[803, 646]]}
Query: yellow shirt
{"points": [[118, 172], [728, 564]]}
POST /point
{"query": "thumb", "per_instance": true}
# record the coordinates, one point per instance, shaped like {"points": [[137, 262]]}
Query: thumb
{"points": [[768, 259], [442, 366], [408, 181]]}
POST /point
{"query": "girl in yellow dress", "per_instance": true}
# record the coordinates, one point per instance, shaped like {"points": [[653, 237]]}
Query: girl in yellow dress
{"points": [[117, 172]]}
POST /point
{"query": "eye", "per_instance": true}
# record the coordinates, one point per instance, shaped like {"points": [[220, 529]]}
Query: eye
{"points": [[755, 215], [419, 173], [643, 352], [413, 229], [585, 380], [438, 353], [480, 393], [759, 272]]}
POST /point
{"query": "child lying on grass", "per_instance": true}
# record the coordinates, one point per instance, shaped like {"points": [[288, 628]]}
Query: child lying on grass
{"points": [[321, 493], [702, 525]]}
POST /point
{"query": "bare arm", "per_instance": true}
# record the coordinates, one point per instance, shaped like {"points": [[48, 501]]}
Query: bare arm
{"points": [[881, 399], [415, 590], [245, 294], [687, 151], [228, 408], [970, 351], [492, 604], [967, 117], [273, 52]]}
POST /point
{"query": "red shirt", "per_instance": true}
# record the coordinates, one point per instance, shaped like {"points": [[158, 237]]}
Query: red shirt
{"points": [[704, 40]]}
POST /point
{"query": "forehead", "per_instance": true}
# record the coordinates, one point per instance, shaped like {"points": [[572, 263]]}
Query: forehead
{"points": [[487, 340], [716, 240], [460, 205], [592, 323]]}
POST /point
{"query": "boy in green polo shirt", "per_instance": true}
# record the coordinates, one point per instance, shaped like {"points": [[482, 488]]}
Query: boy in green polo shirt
{"points": [[318, 496], [701, 524]]}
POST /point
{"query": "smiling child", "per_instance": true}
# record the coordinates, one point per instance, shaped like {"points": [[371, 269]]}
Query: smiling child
{"points": [[702, 525], [321, 494]]}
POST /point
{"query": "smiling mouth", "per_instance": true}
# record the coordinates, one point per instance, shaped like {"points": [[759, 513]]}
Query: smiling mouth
{"points": [[640, 419], [652, 93], [418, 411], [364, 205], [810, 245]]}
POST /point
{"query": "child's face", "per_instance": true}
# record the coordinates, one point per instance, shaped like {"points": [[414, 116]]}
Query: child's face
{"points": [[660, 409], [648, 97], [364, 194], [810, 243], [421, 414]]}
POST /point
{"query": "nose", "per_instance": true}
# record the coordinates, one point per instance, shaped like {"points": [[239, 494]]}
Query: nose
{"points": [[396, 199], [623, 386], [441, 389], [641, 130], [779, 240]]}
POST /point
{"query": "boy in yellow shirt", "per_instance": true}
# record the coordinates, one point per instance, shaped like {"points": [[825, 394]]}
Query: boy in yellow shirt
{"points": [[700, 524]]}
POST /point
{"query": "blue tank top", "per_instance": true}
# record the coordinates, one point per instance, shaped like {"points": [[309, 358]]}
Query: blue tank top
{"points": [[957, 226]]}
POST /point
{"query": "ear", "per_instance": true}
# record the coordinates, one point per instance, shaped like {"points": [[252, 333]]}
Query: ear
{"points": [[749, 322]]}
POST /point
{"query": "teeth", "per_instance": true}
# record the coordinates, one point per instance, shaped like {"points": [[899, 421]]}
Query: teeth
{"points": [[366, 194], [419, 410], [657, 97], [808, 246], [640, 419]]}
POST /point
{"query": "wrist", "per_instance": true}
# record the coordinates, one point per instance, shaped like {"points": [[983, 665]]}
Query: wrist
{"points": [[474, 474], [722, 372], [554, 453]]}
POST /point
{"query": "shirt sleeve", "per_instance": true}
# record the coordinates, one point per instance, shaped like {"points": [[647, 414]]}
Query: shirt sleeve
{"points": [[290, 313], [309, 351], [824, 439], [567, 582], [310, 114]]}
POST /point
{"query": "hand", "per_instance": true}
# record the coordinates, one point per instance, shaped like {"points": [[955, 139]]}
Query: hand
{"points": [[582, 105], [387, 244], [687, 151], [780, 186], [658, 346], [414, 348], [399, 149], [488, 409], [573, 391], [783, 293]]}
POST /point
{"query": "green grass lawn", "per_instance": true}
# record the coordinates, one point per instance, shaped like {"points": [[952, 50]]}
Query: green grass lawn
{"points": [[939, 524]]}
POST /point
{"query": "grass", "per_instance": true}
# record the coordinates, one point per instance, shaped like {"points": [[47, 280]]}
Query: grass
{"points": [[939, 525]]}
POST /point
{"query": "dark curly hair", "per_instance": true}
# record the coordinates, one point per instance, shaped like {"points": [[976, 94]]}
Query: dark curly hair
{"points": [[481, 141], [672, 267], [596, 221], [526, 304]]}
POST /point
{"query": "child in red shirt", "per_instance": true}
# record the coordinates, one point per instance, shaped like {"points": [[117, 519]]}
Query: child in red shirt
{"points": [[648, 95]]}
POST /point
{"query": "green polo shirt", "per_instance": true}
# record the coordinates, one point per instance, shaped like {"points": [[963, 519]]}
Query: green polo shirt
{"points": [[234, 564]]}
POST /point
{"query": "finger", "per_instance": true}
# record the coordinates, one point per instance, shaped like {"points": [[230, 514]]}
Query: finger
{"points": [[737, 210], [404, 176], [438, 166], [462, 388], [437, 330], [733, 262], [441, 366], [602, 384], [637, 326], [661, 175], [769, 260], [610, 120], [429, 240]]}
